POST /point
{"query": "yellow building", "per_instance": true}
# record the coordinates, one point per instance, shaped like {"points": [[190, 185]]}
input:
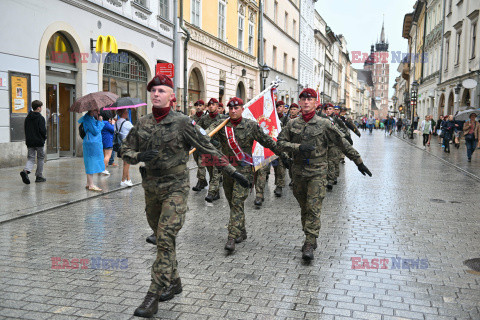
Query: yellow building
{"points": [[222, 51]]}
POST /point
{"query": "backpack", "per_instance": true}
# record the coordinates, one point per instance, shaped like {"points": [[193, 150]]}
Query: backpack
{"points": [[117, 138], [81, 131]]}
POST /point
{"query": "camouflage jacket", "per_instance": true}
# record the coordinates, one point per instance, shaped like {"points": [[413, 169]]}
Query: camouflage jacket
{"points": [[320, 133], [206, 121], [246, 132], [284, 120], [173, 137], [195, 117]]}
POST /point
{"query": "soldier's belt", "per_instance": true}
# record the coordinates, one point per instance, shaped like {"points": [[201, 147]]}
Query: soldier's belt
{"points": [[309, 161], [163, 172]]}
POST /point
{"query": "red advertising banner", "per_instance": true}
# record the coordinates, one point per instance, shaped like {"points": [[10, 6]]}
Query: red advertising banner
{"points": [[167, 69]]}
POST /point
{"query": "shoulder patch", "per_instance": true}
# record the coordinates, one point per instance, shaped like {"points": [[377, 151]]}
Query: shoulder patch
{"points": [[202, 131], [193, 122]]}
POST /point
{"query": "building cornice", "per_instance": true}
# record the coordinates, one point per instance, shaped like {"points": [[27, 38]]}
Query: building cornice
{"points": [[217, 46], [119, 19], [281, 30]]}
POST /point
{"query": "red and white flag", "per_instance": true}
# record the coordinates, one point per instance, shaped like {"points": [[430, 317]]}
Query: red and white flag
{"points": [[262, 109]]}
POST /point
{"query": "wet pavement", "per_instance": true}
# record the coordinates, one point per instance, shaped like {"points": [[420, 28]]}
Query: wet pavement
{"points": [[416, 206]]}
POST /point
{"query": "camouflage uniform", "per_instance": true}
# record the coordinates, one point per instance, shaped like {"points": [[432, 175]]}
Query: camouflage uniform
{"points": [[166, 182], [310, 171], [201, 172], [245, 132], [261, 180], [339, 155], [214, 184]]}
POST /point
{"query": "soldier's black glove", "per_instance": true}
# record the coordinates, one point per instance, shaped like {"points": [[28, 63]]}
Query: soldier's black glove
{"points": [[241, 179], [363, 169], [215, 143], [305, 149], [285, 160], [147, 155], [349, 139]]}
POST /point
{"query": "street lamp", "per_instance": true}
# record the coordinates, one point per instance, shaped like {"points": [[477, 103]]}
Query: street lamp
{"points": [[286, 98], [413, 101], [264, 74], [395, 99]]}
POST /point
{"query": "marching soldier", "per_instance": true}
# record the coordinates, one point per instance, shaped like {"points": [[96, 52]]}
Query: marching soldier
{"points": [[237, 139], [201, 171], [162, 141], [348, 121], [204, 123], [221, 108], [294, 111], [308, 137]]}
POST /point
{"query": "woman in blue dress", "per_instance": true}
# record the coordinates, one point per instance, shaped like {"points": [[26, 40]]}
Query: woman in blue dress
{"points": [[92, 146]]}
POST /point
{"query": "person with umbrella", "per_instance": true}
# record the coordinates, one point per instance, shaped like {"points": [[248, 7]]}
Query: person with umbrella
{"points": [[92, 146], [471, 131]]}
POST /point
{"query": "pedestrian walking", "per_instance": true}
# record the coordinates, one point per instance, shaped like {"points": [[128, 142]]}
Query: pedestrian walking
{"points": [[162, 141], [399, 124], [438, 129], [307, 137], [426, 130], [107, 138], [122, 128], [370, 124], [92, 146], [416, 119], [35, 136], [471, 131], [447, 131]]}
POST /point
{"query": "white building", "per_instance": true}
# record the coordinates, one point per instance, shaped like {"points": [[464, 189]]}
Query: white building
{"points": [[307, 44], [321, 43], [30, 67]]}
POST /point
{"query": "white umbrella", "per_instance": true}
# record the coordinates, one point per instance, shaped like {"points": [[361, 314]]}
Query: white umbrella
{"points": [[465, 115]]}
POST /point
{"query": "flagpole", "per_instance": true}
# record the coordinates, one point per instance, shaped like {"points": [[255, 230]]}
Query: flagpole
{"points": [[274, 84]]}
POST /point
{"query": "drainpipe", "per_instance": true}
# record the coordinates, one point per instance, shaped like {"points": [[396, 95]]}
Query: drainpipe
{"points": [[175, 46], [261, 49], [441, 49], [185, 58], [423, 47]]}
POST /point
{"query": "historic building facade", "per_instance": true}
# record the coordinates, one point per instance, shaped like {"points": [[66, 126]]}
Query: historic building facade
{"points": [[307, 43]]}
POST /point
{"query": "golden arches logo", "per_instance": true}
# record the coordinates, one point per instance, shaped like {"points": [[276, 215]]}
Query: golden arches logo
{"points": [[106, 44]]}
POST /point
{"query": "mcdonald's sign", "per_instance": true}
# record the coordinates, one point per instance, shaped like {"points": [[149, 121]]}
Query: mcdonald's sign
{"points": [[106, 44]]}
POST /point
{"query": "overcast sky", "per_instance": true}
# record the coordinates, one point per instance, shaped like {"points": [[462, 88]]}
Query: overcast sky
{"points": [[360, 21]]}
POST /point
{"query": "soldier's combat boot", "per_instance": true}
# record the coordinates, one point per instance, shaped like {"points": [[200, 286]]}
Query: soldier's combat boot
{"points": [[307, 251], [290, 184], [230, 245], [174, 288], [152, 239], [216, 196], [209, 197], [258, 201], [200, 185], [329, 187], [335, 181], [148, 307], [278, 191], [242, 237]]}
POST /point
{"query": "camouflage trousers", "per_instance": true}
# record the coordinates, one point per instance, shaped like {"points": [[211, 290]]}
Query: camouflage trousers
{"points": [[214, 183], [236, 196], [201, 172], [279, 169], [333, 156], [309, 193], [261, 180], [165, 209]]}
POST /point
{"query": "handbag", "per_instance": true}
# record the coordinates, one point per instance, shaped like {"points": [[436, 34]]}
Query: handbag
{"points": [[469, 137], [442, 133]]}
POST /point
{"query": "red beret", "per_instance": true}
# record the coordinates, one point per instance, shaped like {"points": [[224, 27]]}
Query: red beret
{"points": [[160, 80], [174, 100], [220, 104], [235, 102], [327, 105], [294, 105], [280, 103], [308, 93], [199, 102], [212, 101]]}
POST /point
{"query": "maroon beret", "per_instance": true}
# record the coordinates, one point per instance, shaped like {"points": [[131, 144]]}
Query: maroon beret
{"points": [[199, 103], [160, 80], [280, 103], [235, 102], [212, 101], [327, 105], [308, 93], [294, 105], [174, 99], [220, 104]]}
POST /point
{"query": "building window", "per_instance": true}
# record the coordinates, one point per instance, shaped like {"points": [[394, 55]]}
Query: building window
{"points": [[285, 63], [164, 12], [449, 6], [286, 22], [474, 39], [274, 57], [221, 19], [294, 30], [196, 14], [275, 12], [240, 32], [143, 3], [293, 67], [457, 53], [447, 53], [250, 37]]}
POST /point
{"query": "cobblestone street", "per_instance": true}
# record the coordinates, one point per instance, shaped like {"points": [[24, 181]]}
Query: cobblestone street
{"points": [[415, 206]]}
